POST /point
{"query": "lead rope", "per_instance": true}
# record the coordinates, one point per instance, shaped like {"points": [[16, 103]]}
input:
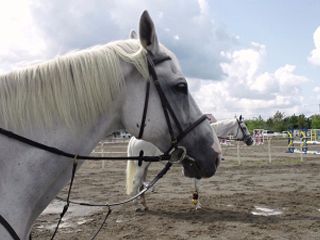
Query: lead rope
{"points": [[146, 188], [176, 156], [65, 208], [102, 224]]}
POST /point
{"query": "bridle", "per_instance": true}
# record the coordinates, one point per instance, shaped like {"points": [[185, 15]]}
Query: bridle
{"points": [[174, 154], [167, 109], [246, 137]]}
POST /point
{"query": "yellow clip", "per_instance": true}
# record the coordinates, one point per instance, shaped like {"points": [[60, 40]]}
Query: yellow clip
{"points": [[194, 201], [195, 197]]}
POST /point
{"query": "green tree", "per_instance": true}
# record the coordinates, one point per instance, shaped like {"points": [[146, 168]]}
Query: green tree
{"points": [[302, 121], [315, 121], [292, 122], [269, 124], [278, 122], [257, 123]]}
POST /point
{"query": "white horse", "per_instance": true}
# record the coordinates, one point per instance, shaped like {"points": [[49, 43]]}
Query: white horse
{"points": [[136, 175], [72, 102]]}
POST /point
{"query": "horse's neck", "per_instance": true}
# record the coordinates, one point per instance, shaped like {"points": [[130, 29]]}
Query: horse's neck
{"points": [[225, 128], [31, 178], [41, 175]]}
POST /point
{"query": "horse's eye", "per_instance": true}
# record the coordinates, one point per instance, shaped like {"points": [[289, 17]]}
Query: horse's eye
{"points": [[182, 87]]}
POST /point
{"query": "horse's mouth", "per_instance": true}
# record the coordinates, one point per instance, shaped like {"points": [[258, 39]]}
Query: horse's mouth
{"points": [[249, 141], [192, 169]]}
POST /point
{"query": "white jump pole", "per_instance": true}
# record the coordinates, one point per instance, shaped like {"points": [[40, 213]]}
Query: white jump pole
{"points": [[102, 155], [238, 152], [301, 155], [269, 149]]}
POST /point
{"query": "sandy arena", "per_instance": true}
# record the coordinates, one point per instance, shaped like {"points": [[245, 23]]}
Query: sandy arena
{"points": [[253, 200]]}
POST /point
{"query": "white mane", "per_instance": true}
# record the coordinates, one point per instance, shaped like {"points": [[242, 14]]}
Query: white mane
{"points": [[75, 88]]}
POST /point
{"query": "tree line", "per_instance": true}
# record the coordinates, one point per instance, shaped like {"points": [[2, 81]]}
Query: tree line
{"points": [[279, 122]]}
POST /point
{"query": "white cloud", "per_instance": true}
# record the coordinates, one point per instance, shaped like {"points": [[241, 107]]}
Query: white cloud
{"points": [[80, 24], [37, 29], [243, 63], [203, 5], [48, 28], [317, 90], [314, 57], [176, 37], [20, 40], [245, 90]]}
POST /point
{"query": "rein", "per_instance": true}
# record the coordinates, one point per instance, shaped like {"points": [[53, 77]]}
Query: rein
{"points": [[59, 152], [175, 153]]}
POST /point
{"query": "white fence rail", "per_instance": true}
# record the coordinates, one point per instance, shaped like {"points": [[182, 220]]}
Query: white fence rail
{"points": [[111, 147]]}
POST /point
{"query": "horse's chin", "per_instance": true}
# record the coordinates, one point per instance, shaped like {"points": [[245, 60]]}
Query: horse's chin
{"points": [[194, 170], [190, 172]]}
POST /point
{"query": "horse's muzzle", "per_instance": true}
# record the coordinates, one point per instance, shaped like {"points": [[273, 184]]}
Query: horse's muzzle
{"points": [[195, 168], [248, 140]]}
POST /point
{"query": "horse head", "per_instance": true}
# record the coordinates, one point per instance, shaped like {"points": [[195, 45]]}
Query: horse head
{"points": [[171, 113], [244, 132]]}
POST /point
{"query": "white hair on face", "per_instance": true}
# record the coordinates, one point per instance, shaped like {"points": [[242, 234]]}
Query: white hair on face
{"points": [[75, 88]]}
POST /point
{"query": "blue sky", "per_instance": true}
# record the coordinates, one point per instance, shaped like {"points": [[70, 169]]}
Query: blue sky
{"points": [[284, 26], [240, 57]]}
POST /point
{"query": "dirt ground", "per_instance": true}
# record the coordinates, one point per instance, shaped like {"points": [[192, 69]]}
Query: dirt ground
{"points": [[252, 200]]}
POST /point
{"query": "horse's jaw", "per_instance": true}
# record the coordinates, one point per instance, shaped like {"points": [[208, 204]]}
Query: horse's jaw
{"points": [[200, 168]]}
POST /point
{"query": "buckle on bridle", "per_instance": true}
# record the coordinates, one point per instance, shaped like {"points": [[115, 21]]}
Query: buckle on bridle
{"points": [[178, 155]]}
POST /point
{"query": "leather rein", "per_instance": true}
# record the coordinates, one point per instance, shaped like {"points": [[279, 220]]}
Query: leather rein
{"points": [[175, 153]]}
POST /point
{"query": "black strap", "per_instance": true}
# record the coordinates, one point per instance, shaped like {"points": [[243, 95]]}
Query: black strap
{"points": [[188, 129], [165, 169], [59, 152], [146, 188], [162, 96], [158, 60], [66, 207], [102, 224], [164, 102], [145, 110], [167, 109], [191, 127], [8, 227]]}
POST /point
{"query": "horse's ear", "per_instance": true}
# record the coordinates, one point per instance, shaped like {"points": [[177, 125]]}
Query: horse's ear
{"points": [[147, 33], [133, 34], [240, 118]]}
